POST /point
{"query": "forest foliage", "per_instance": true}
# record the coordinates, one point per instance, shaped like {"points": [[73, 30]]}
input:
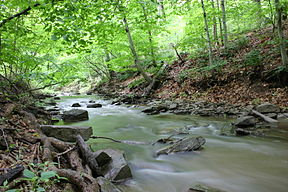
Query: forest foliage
{"points": [[47, 42]]}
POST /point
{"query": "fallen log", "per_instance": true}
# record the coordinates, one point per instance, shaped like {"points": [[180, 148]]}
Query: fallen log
{"points": [[90, 157], [264, 117]]}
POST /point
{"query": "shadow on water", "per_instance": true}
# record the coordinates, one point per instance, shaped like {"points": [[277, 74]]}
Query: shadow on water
{"points": [[238, 164]]}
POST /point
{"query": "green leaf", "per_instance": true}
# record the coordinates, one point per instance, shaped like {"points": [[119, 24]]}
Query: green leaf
{"points": [[47, 175], [54, 38], [29, 174]]}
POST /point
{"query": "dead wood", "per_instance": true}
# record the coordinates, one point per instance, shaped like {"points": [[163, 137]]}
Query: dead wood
{"points": [[89, 157], [8, 109], [264, 117], [83, 181], [11, 174], [121, 141]]}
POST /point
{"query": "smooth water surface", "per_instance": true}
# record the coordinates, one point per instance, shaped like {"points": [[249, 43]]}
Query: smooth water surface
{"points": [[237, 164]]}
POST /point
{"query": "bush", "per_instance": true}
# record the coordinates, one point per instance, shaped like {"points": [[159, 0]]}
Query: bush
{"points": [[253, 58]]}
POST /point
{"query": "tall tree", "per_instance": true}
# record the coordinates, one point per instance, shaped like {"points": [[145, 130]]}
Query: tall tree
{"points": [[220, 24], [224, 23], [207, 33], [150, 36], [134, 52], [215, 32], [282, 43]]}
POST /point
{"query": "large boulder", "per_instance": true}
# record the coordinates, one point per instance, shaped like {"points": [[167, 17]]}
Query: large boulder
{"points": [[245, 121], [182, 145], [267, 108], [116, 170], [75, 115], [66, 133], [94, 105]]}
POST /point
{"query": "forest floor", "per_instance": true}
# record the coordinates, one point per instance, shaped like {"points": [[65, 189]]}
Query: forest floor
{"points": [[248, 72]]}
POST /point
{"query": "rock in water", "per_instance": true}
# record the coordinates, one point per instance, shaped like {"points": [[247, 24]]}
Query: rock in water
{"points": [[75, 115], [106, 185], [267, 108], [66, 133], [185, 144], [94, 105], [116, 170], [245, 121], [76, 105]]}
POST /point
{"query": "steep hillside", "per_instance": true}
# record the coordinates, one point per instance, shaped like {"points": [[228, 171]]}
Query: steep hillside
{"points": [[249, 71]]}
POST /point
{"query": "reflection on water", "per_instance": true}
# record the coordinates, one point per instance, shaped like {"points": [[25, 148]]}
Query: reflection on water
{"points": [[238, 164]]}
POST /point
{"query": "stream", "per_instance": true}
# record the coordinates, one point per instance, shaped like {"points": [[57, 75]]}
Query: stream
{"points": [[238, 164]]}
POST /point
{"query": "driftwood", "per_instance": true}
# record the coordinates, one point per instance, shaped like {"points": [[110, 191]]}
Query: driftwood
{"points": [[121, 141], [11, 174], [264, 117]]}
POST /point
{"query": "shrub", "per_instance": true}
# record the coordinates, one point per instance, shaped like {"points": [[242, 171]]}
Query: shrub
{"points": [[253, 58]]}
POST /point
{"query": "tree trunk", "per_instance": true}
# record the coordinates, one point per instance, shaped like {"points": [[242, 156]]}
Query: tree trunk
{"points": [[259, 12], [134, 53], [282, 43], [207, 33], [220, 24], [215, 32], [224, 23], [150, 37], [161, 10]]}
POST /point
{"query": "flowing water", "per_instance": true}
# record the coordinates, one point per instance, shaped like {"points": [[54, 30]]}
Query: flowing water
{"points": [[238, 164]]}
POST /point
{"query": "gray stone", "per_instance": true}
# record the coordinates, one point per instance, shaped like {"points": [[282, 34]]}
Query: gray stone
{"points": [[272, 115], [117, 170], [173, 106], [155, 109], [204, 188], [245, 121], [76, 105], [267, 108], [94, 105], [106, 185], [75, 115], [66, 133], [242, 132], [282, 116], [182, 145]]}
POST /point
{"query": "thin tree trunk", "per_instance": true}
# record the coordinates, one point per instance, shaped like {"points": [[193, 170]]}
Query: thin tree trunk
{"points": [[220, 24], [224, 23], [207, 33], [134, 53], [282, 43], [259, 12], [161, 10], [150, 37], [215, 32]]}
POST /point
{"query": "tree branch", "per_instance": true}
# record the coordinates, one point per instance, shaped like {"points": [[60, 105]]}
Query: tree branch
{"points": [[24, 12]]}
